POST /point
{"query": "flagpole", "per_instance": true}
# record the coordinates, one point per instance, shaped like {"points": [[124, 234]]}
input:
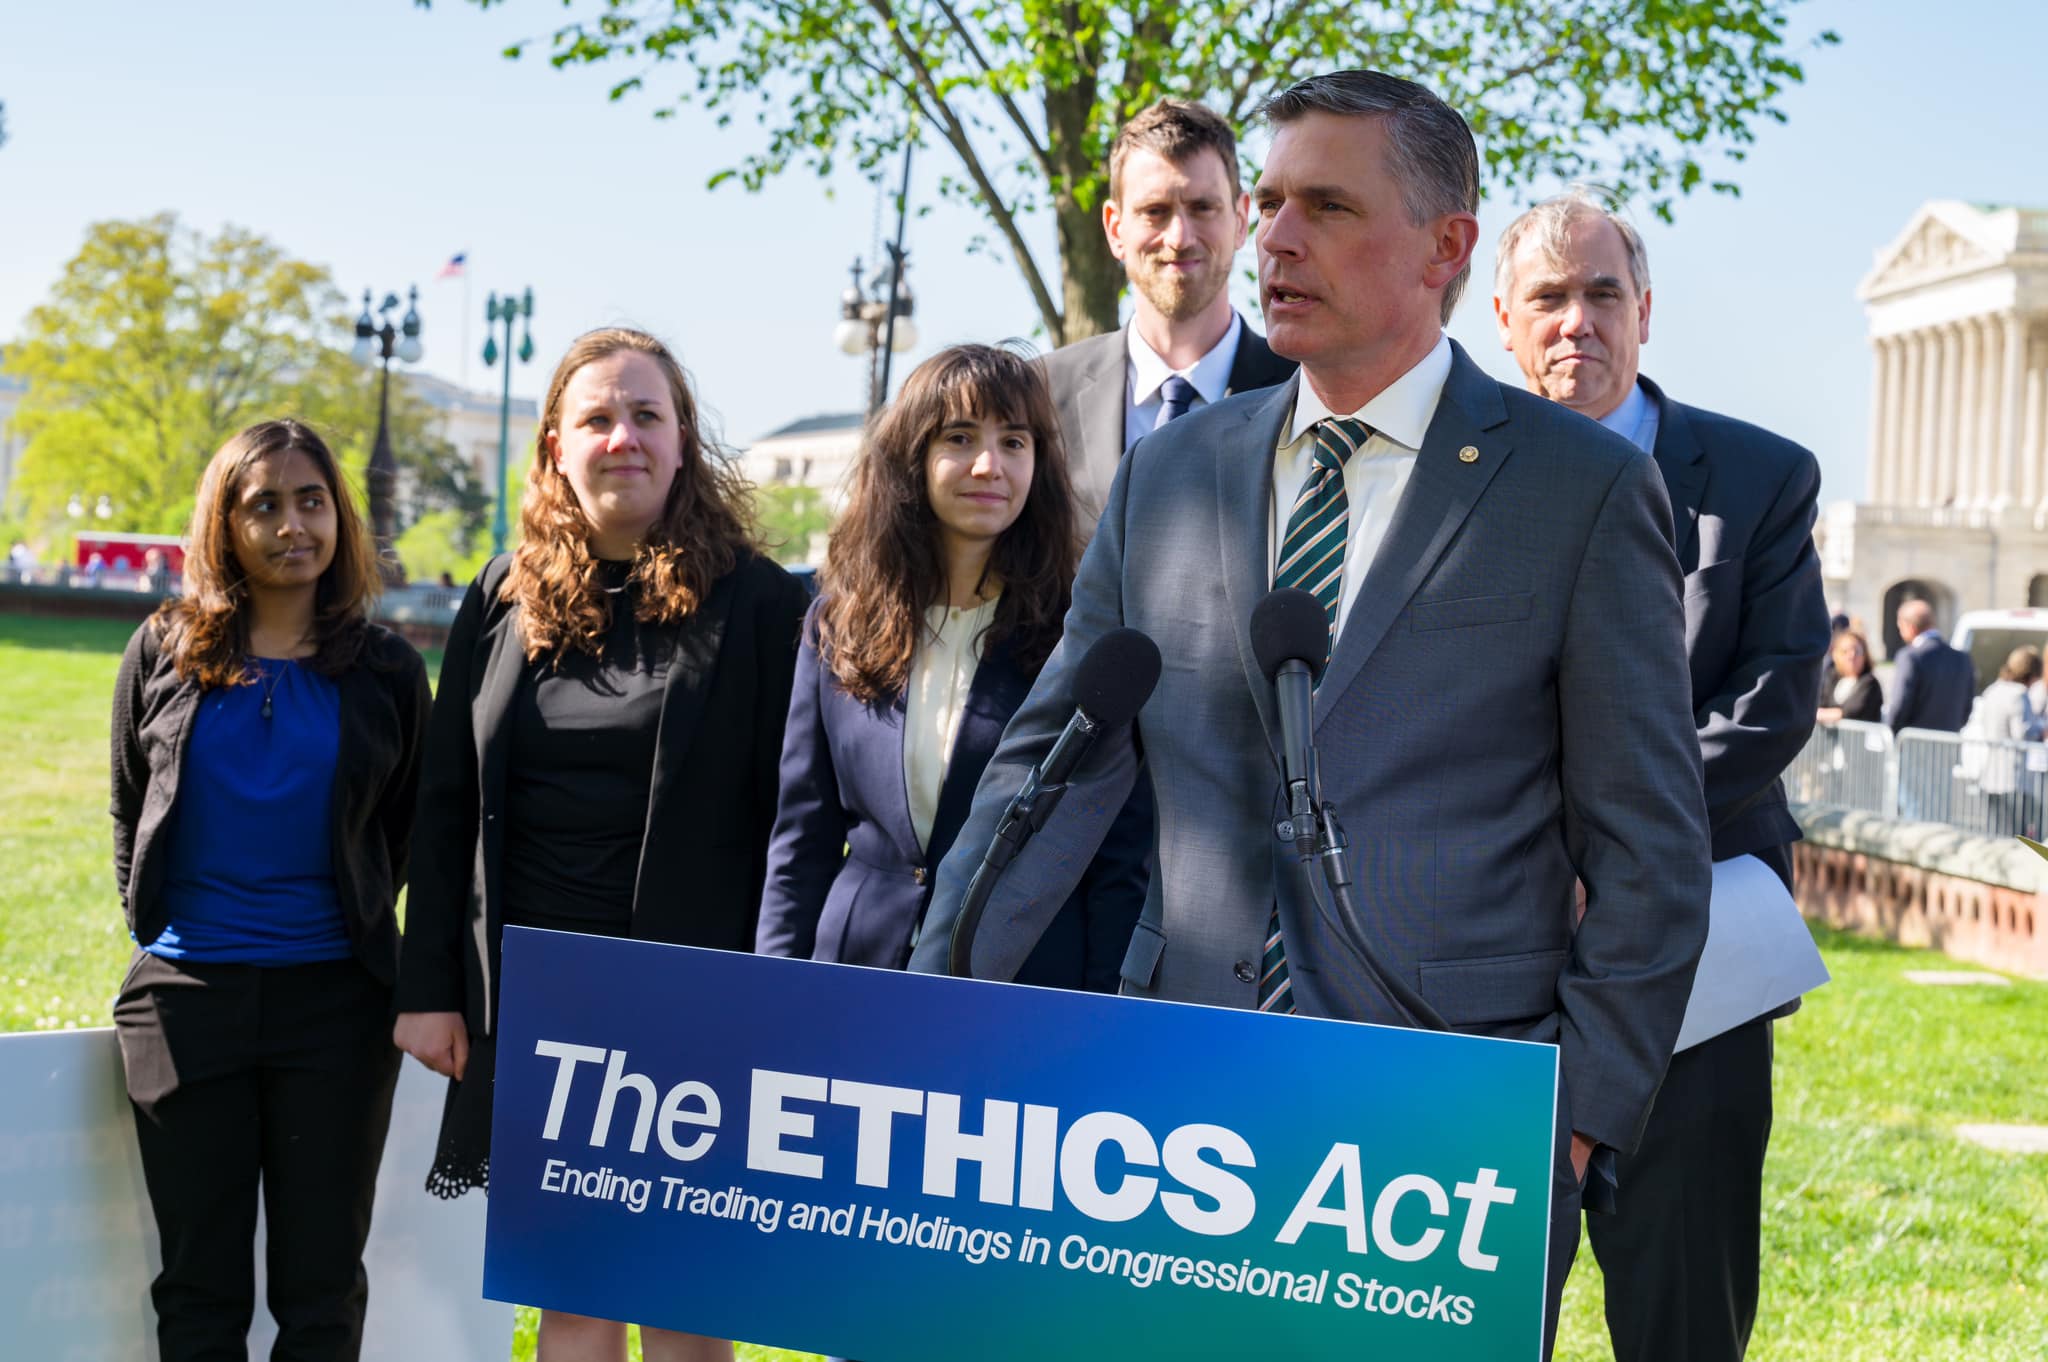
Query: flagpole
{"points": [[465, 322]]}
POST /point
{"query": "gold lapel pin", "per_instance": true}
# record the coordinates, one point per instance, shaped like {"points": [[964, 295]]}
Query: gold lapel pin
{"points": [[1469, 454]]}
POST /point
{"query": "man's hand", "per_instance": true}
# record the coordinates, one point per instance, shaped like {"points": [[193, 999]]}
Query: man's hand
{"points": [[1582, 1154], [440, 1040]]}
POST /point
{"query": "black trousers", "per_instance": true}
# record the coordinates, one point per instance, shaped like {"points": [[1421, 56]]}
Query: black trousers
{"points": [[245, 1077], [1680, 1253]]}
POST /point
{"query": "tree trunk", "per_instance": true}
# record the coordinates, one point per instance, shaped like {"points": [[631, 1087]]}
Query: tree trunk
{"points": [[1090, 277]]}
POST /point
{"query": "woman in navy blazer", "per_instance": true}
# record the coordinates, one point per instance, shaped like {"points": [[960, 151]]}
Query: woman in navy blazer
{"points": [[953, 559]]}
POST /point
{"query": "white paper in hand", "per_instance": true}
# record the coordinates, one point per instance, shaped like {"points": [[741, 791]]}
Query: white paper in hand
{"points": [[1759, 954]]}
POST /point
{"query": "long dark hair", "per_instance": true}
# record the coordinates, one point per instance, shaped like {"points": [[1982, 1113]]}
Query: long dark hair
{"points": [[883, 568], [704, 528], [206, 630]]}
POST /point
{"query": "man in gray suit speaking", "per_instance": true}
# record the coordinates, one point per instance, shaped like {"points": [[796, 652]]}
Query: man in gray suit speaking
{"points": [[1506, 706]]}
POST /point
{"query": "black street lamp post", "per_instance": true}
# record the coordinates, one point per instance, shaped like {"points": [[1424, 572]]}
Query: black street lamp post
{"points": [[506, 310], [876, 321], [380, 345]]}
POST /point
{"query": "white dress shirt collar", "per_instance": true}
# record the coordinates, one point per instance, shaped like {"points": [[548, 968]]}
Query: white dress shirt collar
{"points": [[1210, 374], [1635, 420], [1402, 410]]}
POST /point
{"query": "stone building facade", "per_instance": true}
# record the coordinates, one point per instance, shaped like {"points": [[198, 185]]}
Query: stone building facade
{"points": [[1957, 508], [816, 451]]}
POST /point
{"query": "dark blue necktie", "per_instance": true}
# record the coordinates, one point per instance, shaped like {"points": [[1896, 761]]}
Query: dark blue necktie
{"points": [[1176, 395]]}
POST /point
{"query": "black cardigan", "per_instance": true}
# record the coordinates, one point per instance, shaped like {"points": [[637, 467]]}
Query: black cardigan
{"points": [[711, 804], [384, 701]]}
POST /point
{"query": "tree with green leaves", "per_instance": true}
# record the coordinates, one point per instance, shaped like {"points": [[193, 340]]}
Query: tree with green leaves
{"points": [[157, 343], [791, 516], [1027, 95]]}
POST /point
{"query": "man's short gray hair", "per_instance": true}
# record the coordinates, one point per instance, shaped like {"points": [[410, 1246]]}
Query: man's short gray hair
{"points": [[1429, 144], [1550, 223]]}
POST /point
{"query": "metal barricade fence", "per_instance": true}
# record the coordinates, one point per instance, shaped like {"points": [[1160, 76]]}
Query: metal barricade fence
{"points": [[1847, 765], [1989, 788], [1993, 788]]}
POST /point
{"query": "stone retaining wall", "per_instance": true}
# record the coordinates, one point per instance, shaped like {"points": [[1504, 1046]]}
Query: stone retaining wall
{"points": [[1923, 884]]}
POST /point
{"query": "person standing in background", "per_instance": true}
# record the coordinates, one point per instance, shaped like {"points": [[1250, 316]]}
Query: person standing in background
{"points": [[1932, 683], [259, 855], [1572, 299], [602, 755], [1175, 218], [1856, 693], [944, 586]]}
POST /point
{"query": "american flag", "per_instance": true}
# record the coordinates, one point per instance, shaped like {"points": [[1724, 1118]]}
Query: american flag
{"points": [[453, 268]]}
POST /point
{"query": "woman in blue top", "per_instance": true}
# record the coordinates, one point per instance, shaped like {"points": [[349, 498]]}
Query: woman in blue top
{"points": [[943, 591], [266, 747]]}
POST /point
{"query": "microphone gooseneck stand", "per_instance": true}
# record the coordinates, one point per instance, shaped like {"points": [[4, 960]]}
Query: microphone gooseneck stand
{"points": [[1290, 636], [1026, 813], [1112, 682]]}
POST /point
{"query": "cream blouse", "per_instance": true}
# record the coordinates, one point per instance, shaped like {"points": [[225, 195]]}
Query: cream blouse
{"points": [[940, 678]]}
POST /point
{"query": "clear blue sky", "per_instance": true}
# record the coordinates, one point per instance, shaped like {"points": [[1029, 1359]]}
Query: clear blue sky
{"points": [[378, 139]]}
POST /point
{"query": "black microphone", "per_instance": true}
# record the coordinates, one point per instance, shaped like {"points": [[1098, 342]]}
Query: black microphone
{"points": [[1111, 684], [1291, 641]]}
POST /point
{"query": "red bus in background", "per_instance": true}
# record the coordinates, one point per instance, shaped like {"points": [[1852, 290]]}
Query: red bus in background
{"points": [[125, 552]]}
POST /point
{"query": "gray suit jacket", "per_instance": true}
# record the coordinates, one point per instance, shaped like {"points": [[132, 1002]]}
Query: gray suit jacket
{"points": [[1756, 617], [1090, 383], [1511, 681]]}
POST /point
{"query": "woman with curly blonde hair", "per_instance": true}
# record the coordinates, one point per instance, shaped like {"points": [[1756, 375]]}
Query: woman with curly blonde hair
{"points": [[602, 754], [266, 745]]}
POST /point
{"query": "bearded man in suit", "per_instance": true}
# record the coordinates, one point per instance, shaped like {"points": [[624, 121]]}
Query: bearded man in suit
{"points": [[1506, 708], [1175, 218]]}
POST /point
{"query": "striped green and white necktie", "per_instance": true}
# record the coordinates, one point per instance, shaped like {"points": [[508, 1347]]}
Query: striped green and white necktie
{"points": [[1312, 559]]}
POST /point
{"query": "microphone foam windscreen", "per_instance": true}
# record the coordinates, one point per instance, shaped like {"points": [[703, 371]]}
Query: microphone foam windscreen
{"points": [[1290, 623], [1116, 677]]}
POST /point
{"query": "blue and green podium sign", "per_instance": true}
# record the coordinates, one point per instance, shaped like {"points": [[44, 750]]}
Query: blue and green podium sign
{"points": [[884, 1165]]}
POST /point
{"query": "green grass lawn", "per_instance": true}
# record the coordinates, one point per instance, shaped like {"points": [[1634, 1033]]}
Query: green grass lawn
{"points": [[1885, 1237]]}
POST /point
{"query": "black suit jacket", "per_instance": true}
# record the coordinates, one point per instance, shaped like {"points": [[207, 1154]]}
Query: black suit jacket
{"points": [[1865, 702], [384, 701], [1743, 503], [1933, 686], [710, 805], [1090, 382], [846, 879]]}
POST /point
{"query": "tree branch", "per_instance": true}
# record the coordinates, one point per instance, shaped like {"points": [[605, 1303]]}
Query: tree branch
{"points": [[1255, 70], [956, 135], [1024, 130]]}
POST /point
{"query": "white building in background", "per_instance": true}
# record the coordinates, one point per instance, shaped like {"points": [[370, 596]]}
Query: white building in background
{"points": [[1958, 490], [814, 452], [469, 421]]}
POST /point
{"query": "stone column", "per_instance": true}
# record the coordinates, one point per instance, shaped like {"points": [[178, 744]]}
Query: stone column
{"points": [[1975, 484], [1932, 381], [1948, 470], [2034, 446], [1906, 433], [1880, 413], [1984, 410], [1895, 442], [1989, 409], [2011, 399]]}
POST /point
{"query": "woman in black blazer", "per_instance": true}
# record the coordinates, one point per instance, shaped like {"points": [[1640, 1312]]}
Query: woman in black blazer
{"points": [[602, 754], [943, 592], [1855, 692], [266, 745]]}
